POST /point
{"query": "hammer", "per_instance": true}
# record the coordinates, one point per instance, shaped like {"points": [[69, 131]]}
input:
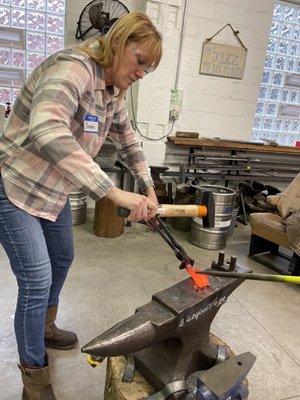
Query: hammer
{"points": [[206, 210]]}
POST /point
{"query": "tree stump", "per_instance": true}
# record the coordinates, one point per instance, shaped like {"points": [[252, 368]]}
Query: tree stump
{"points": [[139, 388], [115, 389], [107, 223]]}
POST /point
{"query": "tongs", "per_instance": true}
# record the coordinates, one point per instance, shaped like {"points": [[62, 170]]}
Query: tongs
{"points": [[206, 211], [157, 224]]}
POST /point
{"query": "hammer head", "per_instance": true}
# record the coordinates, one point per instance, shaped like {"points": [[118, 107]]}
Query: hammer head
{"points": [[208, 201]]}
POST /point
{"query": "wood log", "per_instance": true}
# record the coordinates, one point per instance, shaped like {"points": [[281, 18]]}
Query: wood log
{"points": [[107, 223], [116, 389], [139, 388]]}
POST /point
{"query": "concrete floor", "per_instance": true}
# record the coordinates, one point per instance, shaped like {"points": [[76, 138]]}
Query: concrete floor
{"points": [[111, 277]]}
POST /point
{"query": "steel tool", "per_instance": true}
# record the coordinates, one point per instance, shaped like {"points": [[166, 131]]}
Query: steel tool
{"points": [[226, 380], [228, 269], [208, 218], [158, 225], [256, 277]]}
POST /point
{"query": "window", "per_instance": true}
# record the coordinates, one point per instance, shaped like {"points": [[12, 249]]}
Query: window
{"points": [[30, 30], [277, 115]]}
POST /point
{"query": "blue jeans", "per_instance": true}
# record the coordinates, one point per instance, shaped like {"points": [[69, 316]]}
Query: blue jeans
{"points": [[40, 254]]}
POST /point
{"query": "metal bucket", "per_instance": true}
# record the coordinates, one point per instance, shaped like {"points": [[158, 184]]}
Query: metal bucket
{"points": [[214, 238], [78, 202], [208, 238], [224, 200]]}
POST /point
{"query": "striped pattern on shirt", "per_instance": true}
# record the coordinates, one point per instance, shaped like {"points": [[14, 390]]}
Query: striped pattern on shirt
{"points": [[46, 149]]}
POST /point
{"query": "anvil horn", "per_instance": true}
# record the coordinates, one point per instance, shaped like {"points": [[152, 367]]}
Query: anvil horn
{"points": [[147, 326]]}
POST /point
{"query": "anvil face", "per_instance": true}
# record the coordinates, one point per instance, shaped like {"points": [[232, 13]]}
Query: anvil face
{"points": [[188, 304]]}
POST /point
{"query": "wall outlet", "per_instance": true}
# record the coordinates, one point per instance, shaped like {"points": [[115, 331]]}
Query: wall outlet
{"points": [[175, 104], [173, 115]]}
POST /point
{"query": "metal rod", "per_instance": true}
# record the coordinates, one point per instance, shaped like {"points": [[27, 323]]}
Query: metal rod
{"points": [[210, 175], [221, 258], [255, 277], [232, 263], [237, 167]]}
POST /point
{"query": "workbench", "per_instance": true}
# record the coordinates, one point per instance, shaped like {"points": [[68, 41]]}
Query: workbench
{"points": [[231, 160], [233, 145]]}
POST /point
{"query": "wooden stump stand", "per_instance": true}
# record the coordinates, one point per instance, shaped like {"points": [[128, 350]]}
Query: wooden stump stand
{"points": [[107, 223], [139, 388]]}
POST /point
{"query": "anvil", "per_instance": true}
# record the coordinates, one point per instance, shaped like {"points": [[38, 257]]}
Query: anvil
{"points": [[169, 336]]}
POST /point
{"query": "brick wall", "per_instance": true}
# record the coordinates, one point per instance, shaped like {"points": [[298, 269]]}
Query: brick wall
{"points": [[212, 106]]}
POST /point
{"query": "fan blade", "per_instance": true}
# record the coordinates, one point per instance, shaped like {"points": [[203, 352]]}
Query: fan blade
{"points": [[86, 31], [95, 15]]}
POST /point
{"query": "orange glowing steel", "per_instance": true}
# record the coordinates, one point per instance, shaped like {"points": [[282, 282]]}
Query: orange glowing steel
{"points": [[200, 280]]}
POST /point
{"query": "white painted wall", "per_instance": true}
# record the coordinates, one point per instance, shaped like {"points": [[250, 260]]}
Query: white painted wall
{"points": [[212, 106], [216, 106]]}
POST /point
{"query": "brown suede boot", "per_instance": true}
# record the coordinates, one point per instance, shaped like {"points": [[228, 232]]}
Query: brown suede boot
{"points": [[56, 338], [36, 383]]}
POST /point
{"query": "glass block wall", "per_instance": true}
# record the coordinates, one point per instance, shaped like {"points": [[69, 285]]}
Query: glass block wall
{"points": [[282, 60], [43, 22]]}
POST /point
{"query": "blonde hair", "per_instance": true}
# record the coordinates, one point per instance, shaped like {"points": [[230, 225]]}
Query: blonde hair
{"points": [[132, 27]]}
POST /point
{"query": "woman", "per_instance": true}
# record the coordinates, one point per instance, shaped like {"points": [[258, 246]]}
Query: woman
{"points": [[58, 123]]}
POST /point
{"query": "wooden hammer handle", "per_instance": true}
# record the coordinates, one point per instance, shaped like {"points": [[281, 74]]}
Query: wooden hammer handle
{"points": [[181, 210], [173, 210]]}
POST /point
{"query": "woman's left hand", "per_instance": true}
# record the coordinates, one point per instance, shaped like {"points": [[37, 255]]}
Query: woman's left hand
{"points": [[150, 193]]}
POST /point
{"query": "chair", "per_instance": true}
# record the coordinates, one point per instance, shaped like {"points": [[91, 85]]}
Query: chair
{"points": [[272, 232]]}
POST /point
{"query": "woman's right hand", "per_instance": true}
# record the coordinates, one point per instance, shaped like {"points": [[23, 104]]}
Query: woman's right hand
{"points": [[140, 206]]}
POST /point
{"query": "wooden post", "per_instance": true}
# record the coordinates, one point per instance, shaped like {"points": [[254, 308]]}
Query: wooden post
{"points": [[116, 389], [107, 223]]}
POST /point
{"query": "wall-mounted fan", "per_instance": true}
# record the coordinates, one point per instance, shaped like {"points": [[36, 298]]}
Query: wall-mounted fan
{"points": [[98, 16]]}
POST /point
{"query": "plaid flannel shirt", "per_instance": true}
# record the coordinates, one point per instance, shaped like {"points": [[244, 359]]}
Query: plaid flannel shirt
{"points": [[57, 125]]}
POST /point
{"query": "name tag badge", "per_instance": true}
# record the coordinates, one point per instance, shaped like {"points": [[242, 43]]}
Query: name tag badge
{"points": [[91, 123]]}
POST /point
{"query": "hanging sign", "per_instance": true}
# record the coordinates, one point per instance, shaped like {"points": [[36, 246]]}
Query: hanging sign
{"points": [[221, 59]]}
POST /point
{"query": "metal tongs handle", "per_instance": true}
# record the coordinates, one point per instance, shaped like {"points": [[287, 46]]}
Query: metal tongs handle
{"points": [[157, 224]]}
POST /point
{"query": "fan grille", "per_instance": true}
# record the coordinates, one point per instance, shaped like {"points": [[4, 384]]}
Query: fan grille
{"points": [[98, 16]]}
